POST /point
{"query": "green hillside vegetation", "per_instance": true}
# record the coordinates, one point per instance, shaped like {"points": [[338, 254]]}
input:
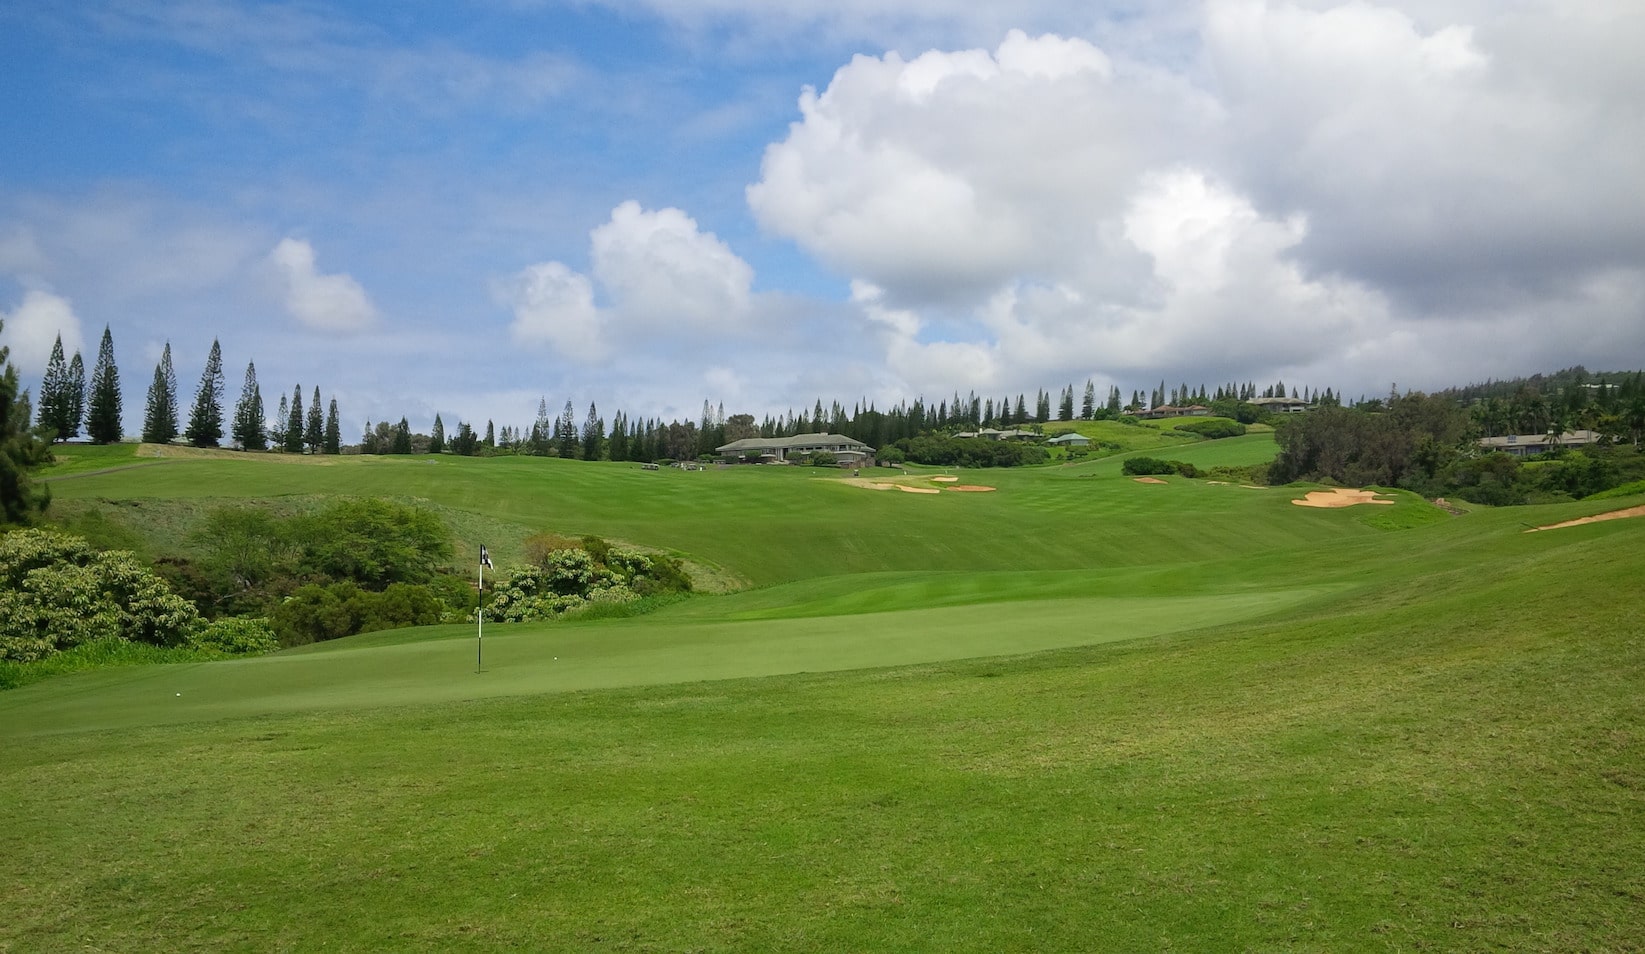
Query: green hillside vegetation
{"points": [[1075, 712]]}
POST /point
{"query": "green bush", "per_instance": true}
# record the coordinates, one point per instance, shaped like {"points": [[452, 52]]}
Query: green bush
{"points": [[373, 543], [57, 592], [315, 613], [594, 574], [1154, 467], [238, 636], [1213, 428]]}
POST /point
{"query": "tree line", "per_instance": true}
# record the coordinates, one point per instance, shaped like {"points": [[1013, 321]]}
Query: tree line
{"points": [[68, 402]]}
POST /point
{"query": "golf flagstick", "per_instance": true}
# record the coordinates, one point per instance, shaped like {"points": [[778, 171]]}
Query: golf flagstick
{"points": [[480, 617]]}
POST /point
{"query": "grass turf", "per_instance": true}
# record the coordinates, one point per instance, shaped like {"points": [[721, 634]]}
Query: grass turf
{"points": [[1378, 728]]}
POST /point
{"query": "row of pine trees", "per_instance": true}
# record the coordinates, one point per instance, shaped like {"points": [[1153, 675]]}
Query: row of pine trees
{"points": [[68, 401]]}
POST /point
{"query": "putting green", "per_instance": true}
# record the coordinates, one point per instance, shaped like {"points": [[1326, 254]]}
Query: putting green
{"points": [[524, 659]]}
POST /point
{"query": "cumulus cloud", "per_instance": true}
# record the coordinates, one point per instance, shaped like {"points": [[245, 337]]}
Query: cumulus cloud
{"points": [[660, 275], [554, 305], [660, 270], [1325, 188], [940, 177], [322, 302], [32, 327]]}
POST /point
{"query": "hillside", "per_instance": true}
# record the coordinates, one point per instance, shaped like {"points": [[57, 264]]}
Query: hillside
{"points": [[1075, 712]]}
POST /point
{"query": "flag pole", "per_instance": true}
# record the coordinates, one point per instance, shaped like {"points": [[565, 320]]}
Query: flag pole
{"points": [[480, 614]]}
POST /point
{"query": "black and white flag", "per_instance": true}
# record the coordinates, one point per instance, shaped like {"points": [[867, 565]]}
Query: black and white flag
{"points": [[485, 558]]}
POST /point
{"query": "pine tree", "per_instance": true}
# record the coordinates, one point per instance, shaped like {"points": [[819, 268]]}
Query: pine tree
{"points": [[1065, 408], [334, 430], [249, 430], [77, 395], [205, 422], [592, 434], [565, 433], [1088, 407], [293, 443], [103, 401], [491, 434], [277, 430], [402, 438], [160, 416], [437, 440], [314, 429], [20, 450], [55, 400]]}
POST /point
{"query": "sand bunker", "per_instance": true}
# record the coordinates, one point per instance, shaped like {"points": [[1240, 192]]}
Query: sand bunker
{"points": [[1340, 497], [972, 488], [917, 490], [1148, 480], [1596, 518], [946, 480]]}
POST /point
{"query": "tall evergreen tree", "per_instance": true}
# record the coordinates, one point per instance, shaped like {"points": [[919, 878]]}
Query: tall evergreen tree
{"points": [[1065, 407], [160, 416], [437, 440], [77, 395], [491, 434], [278, 428], [205, 422], [55, 400], [293, 443], [401, 444], [565, 432], [593, 429], [20, 450], [249, 430], [334, 431], [103, 400], [314, 427], [1088, 407]]}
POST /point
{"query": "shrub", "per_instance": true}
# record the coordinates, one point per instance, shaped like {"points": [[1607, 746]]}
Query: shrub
{"points": [[238, 636], [1213, 428], [57, 592], [1153, 466], [373, 543]]}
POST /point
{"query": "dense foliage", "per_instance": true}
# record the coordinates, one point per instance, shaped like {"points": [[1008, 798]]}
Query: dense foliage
{"points": [[572, 578], [1411, 439], [1213, 428], [56, 592], [352, 566], [944, 451], [20, 450], [1154, 467]]}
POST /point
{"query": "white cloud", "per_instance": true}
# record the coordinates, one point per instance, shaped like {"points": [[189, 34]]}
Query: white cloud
{"points": [[32, 327], [941, 177], [666, 282], [661, 271], [554, 305], [322, 302], [1328, 187]]}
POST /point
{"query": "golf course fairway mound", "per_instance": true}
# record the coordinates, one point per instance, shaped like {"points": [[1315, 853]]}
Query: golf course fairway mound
{"points": [[1076, 714]]}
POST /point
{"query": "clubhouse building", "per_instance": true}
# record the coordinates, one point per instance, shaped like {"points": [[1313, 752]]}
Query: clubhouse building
{"points": [[777, 450]]}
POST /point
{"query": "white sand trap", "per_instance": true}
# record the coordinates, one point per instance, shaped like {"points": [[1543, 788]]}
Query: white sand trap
{"points": [[1148, 480], [1340, 497], [971, 489], [946, 480], [917, 490], [1596, 518]]}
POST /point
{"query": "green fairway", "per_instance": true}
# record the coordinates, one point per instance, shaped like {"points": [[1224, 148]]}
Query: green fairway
{"points": [[1075, 713]]}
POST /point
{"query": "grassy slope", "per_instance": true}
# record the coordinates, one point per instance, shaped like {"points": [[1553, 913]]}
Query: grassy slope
{"points": [[1372, 728]]}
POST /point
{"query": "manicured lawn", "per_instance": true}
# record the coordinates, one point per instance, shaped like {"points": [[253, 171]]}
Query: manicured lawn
{"points": [[1077, 713]]}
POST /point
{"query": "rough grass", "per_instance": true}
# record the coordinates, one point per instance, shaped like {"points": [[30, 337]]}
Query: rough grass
{"points": [[1080, 713]]}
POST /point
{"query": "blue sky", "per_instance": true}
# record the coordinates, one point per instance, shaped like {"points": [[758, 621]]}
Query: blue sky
{"points": [[465, 208]]}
